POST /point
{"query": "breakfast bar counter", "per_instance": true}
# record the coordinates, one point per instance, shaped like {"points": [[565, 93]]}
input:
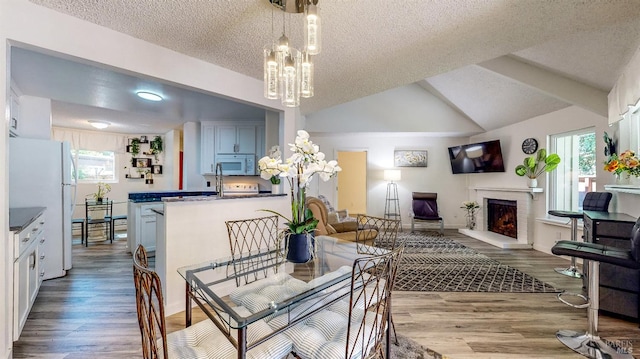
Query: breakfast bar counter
{"points": [[193, 230]]}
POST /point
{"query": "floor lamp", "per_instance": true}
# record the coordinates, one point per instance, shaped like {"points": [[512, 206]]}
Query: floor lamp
{"points": [[392, 202]]}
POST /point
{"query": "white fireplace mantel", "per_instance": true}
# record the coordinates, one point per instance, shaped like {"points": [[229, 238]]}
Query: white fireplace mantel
{"points": [[524, 201], [531, 191]]}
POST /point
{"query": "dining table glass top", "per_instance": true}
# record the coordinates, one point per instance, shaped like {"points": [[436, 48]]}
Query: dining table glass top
{"points": [[262, 285]]}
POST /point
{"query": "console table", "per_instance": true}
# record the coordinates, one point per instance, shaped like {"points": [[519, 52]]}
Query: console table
{"points": [[619, 287]]}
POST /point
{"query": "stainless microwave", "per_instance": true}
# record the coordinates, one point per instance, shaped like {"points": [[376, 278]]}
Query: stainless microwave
{"points": [[237, 165]]}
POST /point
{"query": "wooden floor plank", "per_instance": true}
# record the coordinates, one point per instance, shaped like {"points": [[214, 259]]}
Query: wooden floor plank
{"points": [[91, 312]]}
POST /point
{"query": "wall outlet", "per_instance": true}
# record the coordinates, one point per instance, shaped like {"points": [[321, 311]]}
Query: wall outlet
{"points": [[208, 183]]}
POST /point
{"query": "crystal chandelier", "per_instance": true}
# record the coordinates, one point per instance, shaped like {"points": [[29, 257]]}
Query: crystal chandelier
{"points": [[288, 72]]}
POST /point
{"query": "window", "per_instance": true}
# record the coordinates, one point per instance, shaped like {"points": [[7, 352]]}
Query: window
{"points": [[95, 166], [576, 174]]}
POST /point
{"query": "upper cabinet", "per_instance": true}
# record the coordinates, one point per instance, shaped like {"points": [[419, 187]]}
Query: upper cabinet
{"points": [[14, 109], [229, 137], [239, 139]]}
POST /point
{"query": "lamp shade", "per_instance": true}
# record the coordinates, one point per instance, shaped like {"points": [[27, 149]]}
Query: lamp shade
{"points": [[392, 175]]}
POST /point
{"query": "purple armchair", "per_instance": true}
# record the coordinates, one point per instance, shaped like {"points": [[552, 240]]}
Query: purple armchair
{"points": [[425, 208]]}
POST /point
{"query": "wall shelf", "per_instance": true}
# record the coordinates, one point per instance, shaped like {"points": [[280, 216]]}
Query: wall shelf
{"points": [[530, 191], [622, 188]]}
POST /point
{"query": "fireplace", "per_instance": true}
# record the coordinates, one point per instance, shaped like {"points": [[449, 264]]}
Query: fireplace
{"points": [[502, 217]]}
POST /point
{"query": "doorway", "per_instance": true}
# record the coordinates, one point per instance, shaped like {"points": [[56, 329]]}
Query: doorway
{"points": [[352, 181]]}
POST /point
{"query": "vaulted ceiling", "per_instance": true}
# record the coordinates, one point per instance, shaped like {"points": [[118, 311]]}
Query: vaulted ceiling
{"points": [[494, 62]]}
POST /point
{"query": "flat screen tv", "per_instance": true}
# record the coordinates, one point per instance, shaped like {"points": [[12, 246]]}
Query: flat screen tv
{"points": [[479, 157]]}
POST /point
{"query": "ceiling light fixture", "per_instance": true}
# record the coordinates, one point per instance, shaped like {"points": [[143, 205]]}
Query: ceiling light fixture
{"points": [[100, 125], [149, 96], [288, 73]]}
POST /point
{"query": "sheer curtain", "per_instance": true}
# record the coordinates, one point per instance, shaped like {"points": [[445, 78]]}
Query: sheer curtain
{"points": [[625, 94], [91, 140]]}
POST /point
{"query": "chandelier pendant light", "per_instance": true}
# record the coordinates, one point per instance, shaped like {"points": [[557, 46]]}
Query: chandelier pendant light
{"points": [[288, 72]]}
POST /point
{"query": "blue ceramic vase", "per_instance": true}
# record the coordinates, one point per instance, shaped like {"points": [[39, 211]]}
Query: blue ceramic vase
{"points": [[300, 247]]}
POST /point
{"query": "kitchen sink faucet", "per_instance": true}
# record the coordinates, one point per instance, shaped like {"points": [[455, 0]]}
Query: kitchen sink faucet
{"points": [[219, 179]]}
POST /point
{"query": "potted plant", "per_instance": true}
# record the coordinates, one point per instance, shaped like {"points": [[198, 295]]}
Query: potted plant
{"points": [[298, 170], [471, 207], [103, 189], [536, 165], [135, 146], [156, 147]]}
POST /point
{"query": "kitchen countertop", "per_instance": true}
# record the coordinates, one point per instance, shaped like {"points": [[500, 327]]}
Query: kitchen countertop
{"points": [[179, 196], [216, 198], [19, 218]]}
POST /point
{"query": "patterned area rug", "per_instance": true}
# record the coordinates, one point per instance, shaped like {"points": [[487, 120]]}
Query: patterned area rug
{"points": [[434, 263], [410, 349]]}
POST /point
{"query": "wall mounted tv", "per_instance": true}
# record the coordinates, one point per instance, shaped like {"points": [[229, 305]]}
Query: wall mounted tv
{"points": [[479, 157]]}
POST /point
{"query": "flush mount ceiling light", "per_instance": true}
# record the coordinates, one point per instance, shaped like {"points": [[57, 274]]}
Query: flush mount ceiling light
{"points": [[288, 72], [149, 96], [101, 125]]}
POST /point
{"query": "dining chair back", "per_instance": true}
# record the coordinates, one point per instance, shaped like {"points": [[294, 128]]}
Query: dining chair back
{"points": [[353, 328], [197, 341], [376, 235], [150, 307], [98, 214], [255, 247]]}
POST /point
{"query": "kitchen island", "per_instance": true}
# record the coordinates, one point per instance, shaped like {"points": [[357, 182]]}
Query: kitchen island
{"points": [[192, 230]]}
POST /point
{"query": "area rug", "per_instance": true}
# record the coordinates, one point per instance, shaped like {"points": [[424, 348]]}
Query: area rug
{"points": [[434, 263], [410, 349]]}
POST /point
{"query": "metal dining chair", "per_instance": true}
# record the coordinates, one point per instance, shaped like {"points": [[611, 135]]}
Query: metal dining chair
{"points": [[353, 328], [375, 235], [251, 238], [202, 340], [98, 214]]}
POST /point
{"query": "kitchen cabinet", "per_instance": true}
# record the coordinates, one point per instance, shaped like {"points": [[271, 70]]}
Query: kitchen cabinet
{"points": [[619, 286], [14, 109], [142, 230], [207, 148], [235, 139], [28, 270], [229, 137]]}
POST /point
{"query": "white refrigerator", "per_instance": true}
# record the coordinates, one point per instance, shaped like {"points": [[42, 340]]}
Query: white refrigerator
{"points": [[42, 174]]}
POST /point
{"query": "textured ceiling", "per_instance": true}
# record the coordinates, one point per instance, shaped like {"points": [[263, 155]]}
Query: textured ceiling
{"points": [[373, 46]]}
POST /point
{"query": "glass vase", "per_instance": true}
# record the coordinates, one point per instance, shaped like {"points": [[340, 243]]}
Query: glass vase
{"points": [[471, 221]]}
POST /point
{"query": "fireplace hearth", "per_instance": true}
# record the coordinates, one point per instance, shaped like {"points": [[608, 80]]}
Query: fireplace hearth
{"points": [[502, 217]]}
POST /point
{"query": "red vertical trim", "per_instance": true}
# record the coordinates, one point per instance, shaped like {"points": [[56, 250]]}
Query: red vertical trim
{"points": [[181, 163]]}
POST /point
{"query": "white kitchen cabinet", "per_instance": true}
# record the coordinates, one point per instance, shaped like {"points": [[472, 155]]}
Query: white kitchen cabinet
{"points": [[235, 139], [27, 271], [14, 109], [142, 229], [207, 148], [228, 137]]}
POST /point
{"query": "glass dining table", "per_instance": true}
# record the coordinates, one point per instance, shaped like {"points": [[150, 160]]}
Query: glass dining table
{"points": [[272, 289]]}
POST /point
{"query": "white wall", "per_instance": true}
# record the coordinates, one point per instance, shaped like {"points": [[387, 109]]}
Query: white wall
{"points": [[419, 110], [436, 177], [540, 127], [25, 24]]}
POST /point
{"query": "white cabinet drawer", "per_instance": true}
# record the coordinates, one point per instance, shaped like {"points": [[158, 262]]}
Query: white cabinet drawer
{"points": [[23, 238]]}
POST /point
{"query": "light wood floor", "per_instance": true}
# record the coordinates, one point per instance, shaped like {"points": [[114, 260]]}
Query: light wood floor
{"points": [[91, 313]]}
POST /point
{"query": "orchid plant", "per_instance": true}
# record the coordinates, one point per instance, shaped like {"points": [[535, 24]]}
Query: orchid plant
{"points": [[298, 170]]}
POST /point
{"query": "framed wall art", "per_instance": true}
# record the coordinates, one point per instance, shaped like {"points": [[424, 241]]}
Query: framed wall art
{"points": [[410, 158]]}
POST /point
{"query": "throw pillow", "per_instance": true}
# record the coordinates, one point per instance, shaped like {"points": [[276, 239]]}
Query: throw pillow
{"points": [[330, 229]]}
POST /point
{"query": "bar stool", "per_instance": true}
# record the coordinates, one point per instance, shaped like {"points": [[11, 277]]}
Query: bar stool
{"points": [[589, 343], [572, 271], [593, 201], [80, 221]]}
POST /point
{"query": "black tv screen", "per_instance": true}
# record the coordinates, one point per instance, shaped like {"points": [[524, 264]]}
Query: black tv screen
{"points": [[477, 158]]}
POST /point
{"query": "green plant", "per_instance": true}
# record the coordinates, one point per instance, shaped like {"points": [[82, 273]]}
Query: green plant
{"points": [[538, 164], [135, 146], [306, 161], [103, 189], [156, 147]]}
